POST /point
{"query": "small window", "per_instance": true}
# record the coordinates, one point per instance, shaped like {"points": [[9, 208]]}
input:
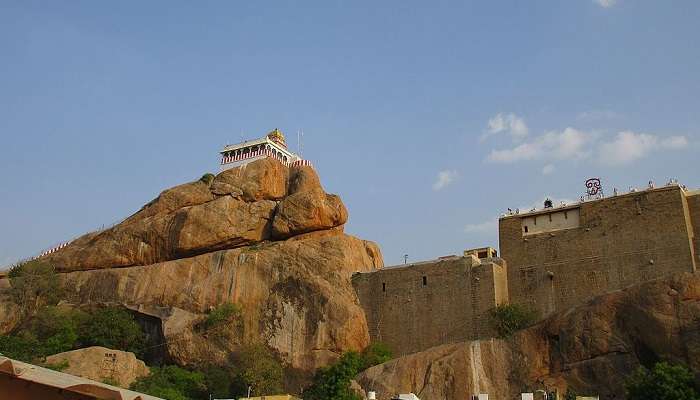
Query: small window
{"points": [[482, 254], [566, 215], [425, 281], [550, 217], [535, 219], [525, 228], [383, 286]]}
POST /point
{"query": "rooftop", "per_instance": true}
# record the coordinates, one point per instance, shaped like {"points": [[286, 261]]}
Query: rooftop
{"points": [[568, 206]]}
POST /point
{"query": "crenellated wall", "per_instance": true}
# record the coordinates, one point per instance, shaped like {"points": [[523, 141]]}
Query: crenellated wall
{"points": [[414, 307], [618, 241]]}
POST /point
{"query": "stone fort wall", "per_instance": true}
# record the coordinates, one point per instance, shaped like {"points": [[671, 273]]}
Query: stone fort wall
{"points": [[693, 199], [427, 304], [566, 256], [616, 242]]}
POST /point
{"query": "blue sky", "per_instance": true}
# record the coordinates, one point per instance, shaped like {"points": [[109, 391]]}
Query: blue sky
{"points": [[428, 118]]}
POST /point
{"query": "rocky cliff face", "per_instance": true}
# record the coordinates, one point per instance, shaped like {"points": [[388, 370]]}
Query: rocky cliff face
{"points": [[263, 236], [589, 349]]}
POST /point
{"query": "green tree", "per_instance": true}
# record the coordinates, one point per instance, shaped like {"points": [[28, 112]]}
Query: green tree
{"points": [[258, 368], [374, 354], [217, 381], [52, 330], [506, 319], [20, 348], [663, 382], [172, 383], [333, 382], [34, 284], [115, 328], [56, 328]]}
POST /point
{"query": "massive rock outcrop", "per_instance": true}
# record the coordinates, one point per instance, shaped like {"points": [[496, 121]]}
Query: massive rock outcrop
{"points": [[261, 201], [263, 236], [590, 349]]}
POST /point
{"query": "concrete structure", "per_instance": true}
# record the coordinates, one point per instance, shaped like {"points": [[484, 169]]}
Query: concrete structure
{"points": [[560, 257], [22, 381], [413, 307], [271, 145]]}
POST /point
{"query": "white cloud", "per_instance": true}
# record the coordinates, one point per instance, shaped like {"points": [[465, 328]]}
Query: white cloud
{"points": [[444, 179], [489, 226], [568, 144], [510, 124], [605, 3], [630, 146], [547, 169]]}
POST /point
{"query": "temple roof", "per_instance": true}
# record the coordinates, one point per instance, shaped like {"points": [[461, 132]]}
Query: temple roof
{"points": [[277, 136]]}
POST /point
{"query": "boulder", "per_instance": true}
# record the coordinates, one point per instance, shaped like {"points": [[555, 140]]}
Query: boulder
{"points": [[173, 199], [237, 210], [221, 223], [264, 179], [101, 364], [590, 349], [302, 179], [308, 211]]}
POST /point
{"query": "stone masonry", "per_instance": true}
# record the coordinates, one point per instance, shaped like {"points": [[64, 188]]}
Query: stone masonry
{"points": [[556, 258], [616, 242], [414, 307], [694, 208]]}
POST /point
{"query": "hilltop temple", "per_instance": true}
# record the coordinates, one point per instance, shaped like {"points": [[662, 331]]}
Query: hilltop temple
{"points": [[271, 145]]}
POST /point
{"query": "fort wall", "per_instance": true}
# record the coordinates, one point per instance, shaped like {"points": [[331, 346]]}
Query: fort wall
{"points": [[612, 243], [427, 304], [693, 199]]}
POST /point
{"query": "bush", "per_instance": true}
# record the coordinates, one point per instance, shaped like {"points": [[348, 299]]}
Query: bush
{"points": [[115, 328], [56, 328], [258, 368], [375, 354], [58, 366], [333, 382], [172, 383], [222, 314], [207, 178], [34, 284], [663, 382], [52, 330], [20, 348], [217, 381], [509, 318]]}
